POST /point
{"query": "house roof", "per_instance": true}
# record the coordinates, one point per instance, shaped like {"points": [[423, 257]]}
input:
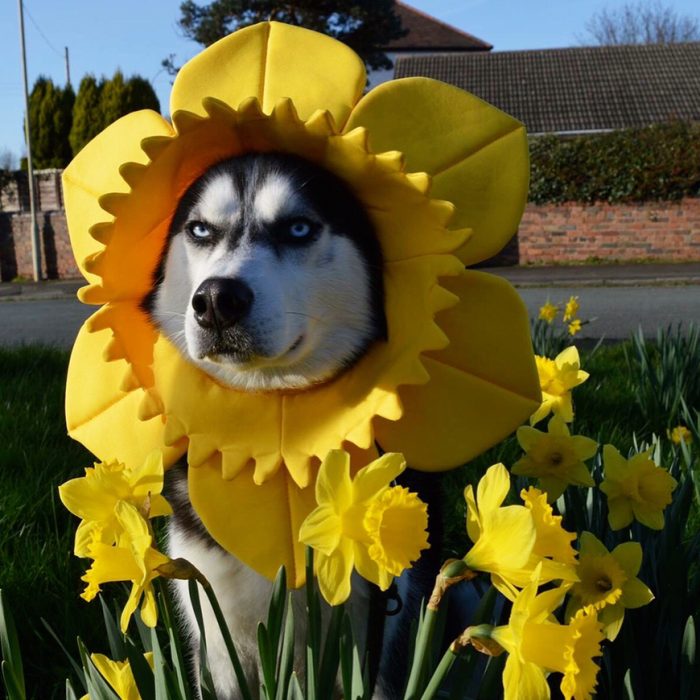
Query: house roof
{"points": [[426, 33], [576, 89]]}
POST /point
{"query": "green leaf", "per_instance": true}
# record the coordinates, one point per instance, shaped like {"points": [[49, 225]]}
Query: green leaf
{"points": [[141, 670], [206, 683], [350, 666], [286, 659], [9, 645], [117, 649], [79, 672], [97, 686], [689, 665], [295, 691], [70, 692], [331, 654], [268, 661]]}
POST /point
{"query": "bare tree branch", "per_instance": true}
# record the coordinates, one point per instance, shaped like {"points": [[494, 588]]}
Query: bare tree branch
{"points": [[641, 23]]}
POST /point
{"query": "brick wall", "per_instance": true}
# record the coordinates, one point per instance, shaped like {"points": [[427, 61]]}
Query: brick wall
{"points": [[573, 232], [549, 233], [57, 260]]}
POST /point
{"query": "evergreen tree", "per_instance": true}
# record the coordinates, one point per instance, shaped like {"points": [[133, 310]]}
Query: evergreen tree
{"points": [[113, 99], [140, 95], [365, 25], [87, 116], [120, 96], [50, 119]]}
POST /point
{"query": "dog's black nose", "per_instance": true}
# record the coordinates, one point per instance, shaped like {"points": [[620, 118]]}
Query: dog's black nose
{"points": [[221, 302]]}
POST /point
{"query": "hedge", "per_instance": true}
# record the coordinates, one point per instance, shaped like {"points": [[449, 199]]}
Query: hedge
{"points": [[660, 162]]}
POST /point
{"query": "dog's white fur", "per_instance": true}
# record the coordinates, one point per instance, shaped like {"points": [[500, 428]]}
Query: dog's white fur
{"points": [[310, 317], [311, 305]]}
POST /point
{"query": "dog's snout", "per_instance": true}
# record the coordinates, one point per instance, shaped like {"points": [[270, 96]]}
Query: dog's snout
{"points": [[221, 302]]}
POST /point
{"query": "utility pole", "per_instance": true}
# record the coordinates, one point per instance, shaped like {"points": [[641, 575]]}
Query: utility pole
{"points": [[67, 66], [36, 248]]}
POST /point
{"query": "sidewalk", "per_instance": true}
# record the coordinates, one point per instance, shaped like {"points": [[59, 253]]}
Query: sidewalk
{"points": [[645, 275], [642, 275]]}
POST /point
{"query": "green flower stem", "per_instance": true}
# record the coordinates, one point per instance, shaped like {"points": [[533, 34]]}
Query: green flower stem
{"points": [[226, 634], [440, 674], [453, 571]]}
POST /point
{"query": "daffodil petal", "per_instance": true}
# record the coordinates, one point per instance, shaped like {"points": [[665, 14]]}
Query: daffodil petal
{"points": [[477, 155], [377, 475], [482, 386], [91, 416], [270, 61], [333, 573], [635, 594], [620, 513], [230, 509], [333, 484], [612, 617], [492, 489], [321, 530], [528, 437], [590, 545], [649, 515], [629, 556], [95, 171]]}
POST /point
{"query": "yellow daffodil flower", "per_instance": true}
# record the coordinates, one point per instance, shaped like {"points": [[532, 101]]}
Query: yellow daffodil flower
{"points": [[556, 458], [133, 559], [443, 177], [636, 489], [575, 327], [503, 536], [506, 537], [552, 541], [537, 644], [119, 675], [548, 312], [608, 582], [557, 378], [680, 434], [94, 496], [571, 309], [362, 523]]}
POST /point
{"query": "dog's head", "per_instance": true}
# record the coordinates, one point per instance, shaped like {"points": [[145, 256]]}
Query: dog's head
{"points": [[272, 275]]}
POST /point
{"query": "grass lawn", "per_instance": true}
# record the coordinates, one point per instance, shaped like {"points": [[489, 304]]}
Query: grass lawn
{"points": [[40, 576]]}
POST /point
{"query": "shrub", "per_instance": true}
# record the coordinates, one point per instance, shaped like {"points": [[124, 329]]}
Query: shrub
{"points": [[659, 162]]}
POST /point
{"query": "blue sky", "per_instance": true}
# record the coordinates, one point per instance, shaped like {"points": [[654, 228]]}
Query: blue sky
{"points": [[135, 35]]}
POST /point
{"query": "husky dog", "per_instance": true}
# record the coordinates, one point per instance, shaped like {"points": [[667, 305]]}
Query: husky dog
{"points": [[271, 280]]}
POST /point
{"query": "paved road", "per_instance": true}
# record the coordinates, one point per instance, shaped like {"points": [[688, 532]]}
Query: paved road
{"points": [[618, 312]]}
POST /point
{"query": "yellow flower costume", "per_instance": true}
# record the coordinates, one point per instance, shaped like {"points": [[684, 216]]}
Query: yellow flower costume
{"points": [[457, 373]]}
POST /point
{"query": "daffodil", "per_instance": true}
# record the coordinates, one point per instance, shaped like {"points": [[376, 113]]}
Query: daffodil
{"points": [[119, 675], [680, 434], [94, 496], [636, 489], [443, 177], [537, 644], [608, 582], [574, 327], [556, 458], [133, 559], [557, 378], [552, 541], [548, 312], [571, 309], [363, 523], [503, 536]]}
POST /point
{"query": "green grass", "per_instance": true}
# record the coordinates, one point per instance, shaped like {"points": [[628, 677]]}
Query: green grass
{"points": [[39, 574], [41, 577]]}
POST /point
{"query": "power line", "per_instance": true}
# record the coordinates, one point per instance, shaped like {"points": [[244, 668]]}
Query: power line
{"points": [[38, 28]]}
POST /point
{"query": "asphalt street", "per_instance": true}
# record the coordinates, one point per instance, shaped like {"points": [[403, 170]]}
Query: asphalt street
{"points": [[615, 311]]}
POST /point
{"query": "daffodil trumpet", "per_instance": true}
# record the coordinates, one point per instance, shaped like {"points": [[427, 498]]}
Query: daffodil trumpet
{"points": [[444, 178]]}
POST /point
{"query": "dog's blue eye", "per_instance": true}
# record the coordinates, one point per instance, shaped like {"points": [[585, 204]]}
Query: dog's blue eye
{"points": [[199, 230], [300, 228]]}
